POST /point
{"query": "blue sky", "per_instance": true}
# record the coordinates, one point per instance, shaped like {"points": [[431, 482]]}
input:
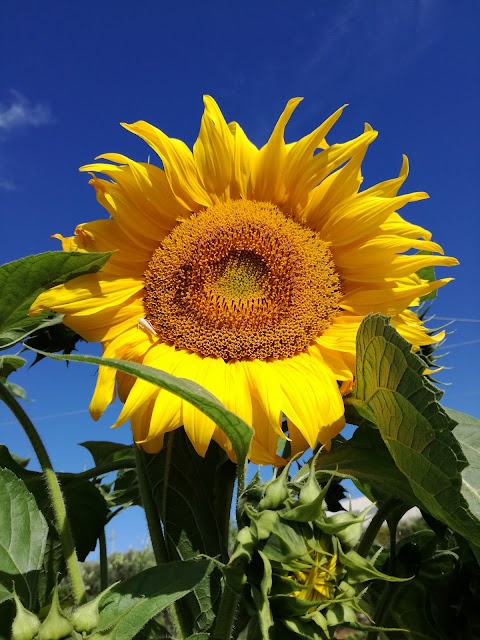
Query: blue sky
{"points": [[70, 72]]}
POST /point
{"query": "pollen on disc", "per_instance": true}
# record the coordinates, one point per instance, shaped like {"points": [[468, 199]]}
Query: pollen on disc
{"points": [[241, 280]]}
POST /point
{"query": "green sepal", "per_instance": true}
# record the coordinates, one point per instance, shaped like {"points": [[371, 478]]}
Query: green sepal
{"points": [[87, 617], [359, 569], [262, 523], [276, 492], [286, 542], [56, 625], [26, 624], [310, 506], [9, 364]]}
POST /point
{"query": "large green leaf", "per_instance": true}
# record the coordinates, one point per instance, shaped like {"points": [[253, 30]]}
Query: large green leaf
{"points": [[440, 598], [131, 604], [86, 505], [238, 432], [22, 281], [104, 451], [365, 458], [23, 535], [467, 433], [193, 497], [392, 393]]}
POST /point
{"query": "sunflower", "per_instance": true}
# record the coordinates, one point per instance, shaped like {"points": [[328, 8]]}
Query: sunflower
{"points": [[247, 270]]}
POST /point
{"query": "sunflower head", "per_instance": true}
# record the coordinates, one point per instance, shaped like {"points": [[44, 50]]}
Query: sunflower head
{"points": [[247, 270]]}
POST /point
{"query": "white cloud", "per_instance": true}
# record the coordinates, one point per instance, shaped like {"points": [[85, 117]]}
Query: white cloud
{"points": [[7, 185], [21, 112]]}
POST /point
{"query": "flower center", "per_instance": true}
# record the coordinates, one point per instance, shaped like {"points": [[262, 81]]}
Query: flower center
{"points": [[241, 280]]}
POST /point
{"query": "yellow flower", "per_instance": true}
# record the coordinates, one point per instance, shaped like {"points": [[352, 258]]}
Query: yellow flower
{"points": [[318, 580], [246, 270]]}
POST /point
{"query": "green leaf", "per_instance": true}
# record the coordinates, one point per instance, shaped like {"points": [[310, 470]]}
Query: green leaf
{"points": [[23, 535], [86, 506], [467, 433], [193, 496], [366, 458], [103, 451], [124, 491], [9, 364], [16, 390], [132, 603], [392, 393], [238, 432], [22, 281]]}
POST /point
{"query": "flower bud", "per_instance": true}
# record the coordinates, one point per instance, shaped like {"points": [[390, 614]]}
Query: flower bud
{"points": [[56, 625], [87, 617], [26, 624]]}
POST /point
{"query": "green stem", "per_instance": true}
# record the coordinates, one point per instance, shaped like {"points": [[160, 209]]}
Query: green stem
{"points": [[226, 613], [229, 600], [160, 550], [102, 542], [383, 604], [166, 475], [58, 504], [392, 562], [374, 527], [241, 471], [106, 467]]}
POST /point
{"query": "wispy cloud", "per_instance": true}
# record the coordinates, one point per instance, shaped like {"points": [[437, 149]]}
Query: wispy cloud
{"points": [[7, 185], [19, 112]]}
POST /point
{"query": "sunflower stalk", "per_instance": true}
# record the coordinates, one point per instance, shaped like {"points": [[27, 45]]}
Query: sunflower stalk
{"points": [[373, 528], [102, 543], [55, 491], [157, 539], [226, 613]]}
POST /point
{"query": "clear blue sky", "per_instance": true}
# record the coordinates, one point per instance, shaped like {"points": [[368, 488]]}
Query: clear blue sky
{"points": [[71, 71]]}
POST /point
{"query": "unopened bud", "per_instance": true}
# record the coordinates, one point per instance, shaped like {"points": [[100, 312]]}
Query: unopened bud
{"points": [[56, 625], [26, 624], [87, 617]]}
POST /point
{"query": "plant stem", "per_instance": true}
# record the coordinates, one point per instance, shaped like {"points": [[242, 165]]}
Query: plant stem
{"points": [[103, 561], [383, 604], [373, 528], [160, 550], [226, 613], [106, 467], [166, 475], [58, 504], [229, 600], [241, 471]]}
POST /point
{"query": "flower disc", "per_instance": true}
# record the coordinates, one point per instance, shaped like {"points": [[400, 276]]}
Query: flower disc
{"points": [[241, 280]]}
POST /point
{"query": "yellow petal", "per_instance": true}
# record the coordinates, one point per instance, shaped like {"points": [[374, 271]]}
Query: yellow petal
{"points": [[300, 153], [267, 174], [360, 217], [87, 294], [245, 153], [179, 165], [311, 398], [395, 225], [389, 300], [213, 152], [210, 374], [336, 187]]}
